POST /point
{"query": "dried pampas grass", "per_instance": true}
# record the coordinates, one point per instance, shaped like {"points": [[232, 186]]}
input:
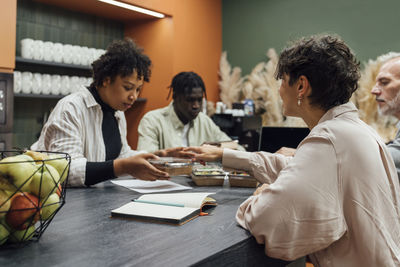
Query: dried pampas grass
{"points": [[261, 86], [365, 100], [230, 83]]}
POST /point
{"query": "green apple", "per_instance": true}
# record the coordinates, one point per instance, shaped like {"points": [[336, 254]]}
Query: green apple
{"points": [[45, 181], [26, 158], [22, 235], [61, 164], [49, 206], [15, 172], [4, 233], [5, 202]]}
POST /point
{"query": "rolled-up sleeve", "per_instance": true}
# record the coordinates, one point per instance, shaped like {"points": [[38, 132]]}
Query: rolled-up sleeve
{"points": [[300, 212], [264, 166], [63, 134]]}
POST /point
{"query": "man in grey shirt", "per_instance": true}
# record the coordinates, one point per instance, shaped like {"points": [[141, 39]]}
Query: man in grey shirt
{"points": [[387, 92]]}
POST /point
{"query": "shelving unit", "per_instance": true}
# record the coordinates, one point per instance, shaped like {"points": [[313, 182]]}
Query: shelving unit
{"points": [[24, 64]]}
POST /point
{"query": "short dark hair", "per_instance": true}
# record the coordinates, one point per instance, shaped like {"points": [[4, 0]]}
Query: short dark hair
{"points": [[329, 65], [121, 58], [186, 81]]}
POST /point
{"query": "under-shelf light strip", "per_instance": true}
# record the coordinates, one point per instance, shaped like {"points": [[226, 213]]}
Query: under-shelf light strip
{"points": [[134, 8]]}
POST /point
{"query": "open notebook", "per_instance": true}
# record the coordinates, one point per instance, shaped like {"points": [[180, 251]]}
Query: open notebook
{"points": [[176, 208]]}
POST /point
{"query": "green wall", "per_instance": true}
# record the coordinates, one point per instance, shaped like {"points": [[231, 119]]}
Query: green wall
{"points": [[50, 23], [250, 28]]}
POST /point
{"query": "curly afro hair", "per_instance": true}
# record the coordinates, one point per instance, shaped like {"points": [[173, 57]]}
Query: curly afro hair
{"points": [[121, 59], [328, 64]]}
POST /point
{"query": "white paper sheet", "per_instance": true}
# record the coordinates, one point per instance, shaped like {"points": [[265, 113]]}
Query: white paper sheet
{"points": [[143, 187]]}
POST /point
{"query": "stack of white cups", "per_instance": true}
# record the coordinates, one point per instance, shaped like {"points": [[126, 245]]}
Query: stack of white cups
{"points": [[26, 82], [46, 84], [37, 83], [57, 52], [17, 82]]}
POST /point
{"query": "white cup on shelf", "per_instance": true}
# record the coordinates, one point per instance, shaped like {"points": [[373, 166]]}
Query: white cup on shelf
{"points": [[86, 56], [58, 50], [93, 55], [17, 82], [67, 54], [82, 82], [65, 87], [36, 83], [26, 82], [77, 55], [75, 86], [55, 84], [38, 49], [100, 52], [46, 84], [27, 48], [48, 50]]}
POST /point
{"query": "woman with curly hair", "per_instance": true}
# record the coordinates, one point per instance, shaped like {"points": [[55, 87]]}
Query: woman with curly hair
{"points": [[90, 124], [338, 198]]}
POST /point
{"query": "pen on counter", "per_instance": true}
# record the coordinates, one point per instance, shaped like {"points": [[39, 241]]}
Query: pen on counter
{"points": [[158, 203]]}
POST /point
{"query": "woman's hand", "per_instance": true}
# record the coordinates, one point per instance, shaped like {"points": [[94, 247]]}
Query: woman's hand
{"points": [[170, 152], [139, 167], [204, 153]]}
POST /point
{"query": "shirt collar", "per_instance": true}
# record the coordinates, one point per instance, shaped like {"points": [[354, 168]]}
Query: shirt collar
{"points": [[339, 110], [103, 105], [176, 122], [89, 99]]}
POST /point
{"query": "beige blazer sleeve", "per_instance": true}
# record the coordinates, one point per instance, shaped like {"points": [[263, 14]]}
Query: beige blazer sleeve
{"points": [[300, 212], [264, 166]]}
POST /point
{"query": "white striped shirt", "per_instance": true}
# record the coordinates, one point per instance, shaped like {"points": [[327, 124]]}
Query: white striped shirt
{"points": [[74, 127]]}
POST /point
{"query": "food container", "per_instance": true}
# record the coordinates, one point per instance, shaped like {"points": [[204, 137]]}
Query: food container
{"points": [[174, 166], [208, 175], [241, 179], [32, 191]]}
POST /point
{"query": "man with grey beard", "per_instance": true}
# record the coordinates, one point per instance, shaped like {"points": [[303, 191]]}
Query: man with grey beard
{"points": [[387, 92]]}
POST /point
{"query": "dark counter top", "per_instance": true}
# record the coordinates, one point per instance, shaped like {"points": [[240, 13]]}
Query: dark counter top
{"points": [[83, 234]]}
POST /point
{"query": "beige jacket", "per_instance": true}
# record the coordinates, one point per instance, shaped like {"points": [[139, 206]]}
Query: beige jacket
{"points": [[161, 128], [336, 200]]}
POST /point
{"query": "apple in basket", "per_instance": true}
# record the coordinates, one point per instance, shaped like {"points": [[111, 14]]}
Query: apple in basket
{"points": [[5, 202], [45, 181], [49, 206], [23, 212], [58, 161], [4, 232], [22, 235], [60, 164], [15, 172]]}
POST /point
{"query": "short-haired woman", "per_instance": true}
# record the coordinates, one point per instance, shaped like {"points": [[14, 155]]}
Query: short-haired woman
{"points": [[338, 198]]}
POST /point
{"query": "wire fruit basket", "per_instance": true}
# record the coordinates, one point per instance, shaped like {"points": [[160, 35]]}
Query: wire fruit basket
{"points": [[32, 191]]}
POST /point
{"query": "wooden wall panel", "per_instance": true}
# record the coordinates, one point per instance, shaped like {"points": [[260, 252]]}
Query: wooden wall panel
{"points": [[8, 17]]}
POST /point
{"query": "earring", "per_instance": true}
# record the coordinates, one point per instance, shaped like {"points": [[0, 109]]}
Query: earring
{"points": [[299, 101]]}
